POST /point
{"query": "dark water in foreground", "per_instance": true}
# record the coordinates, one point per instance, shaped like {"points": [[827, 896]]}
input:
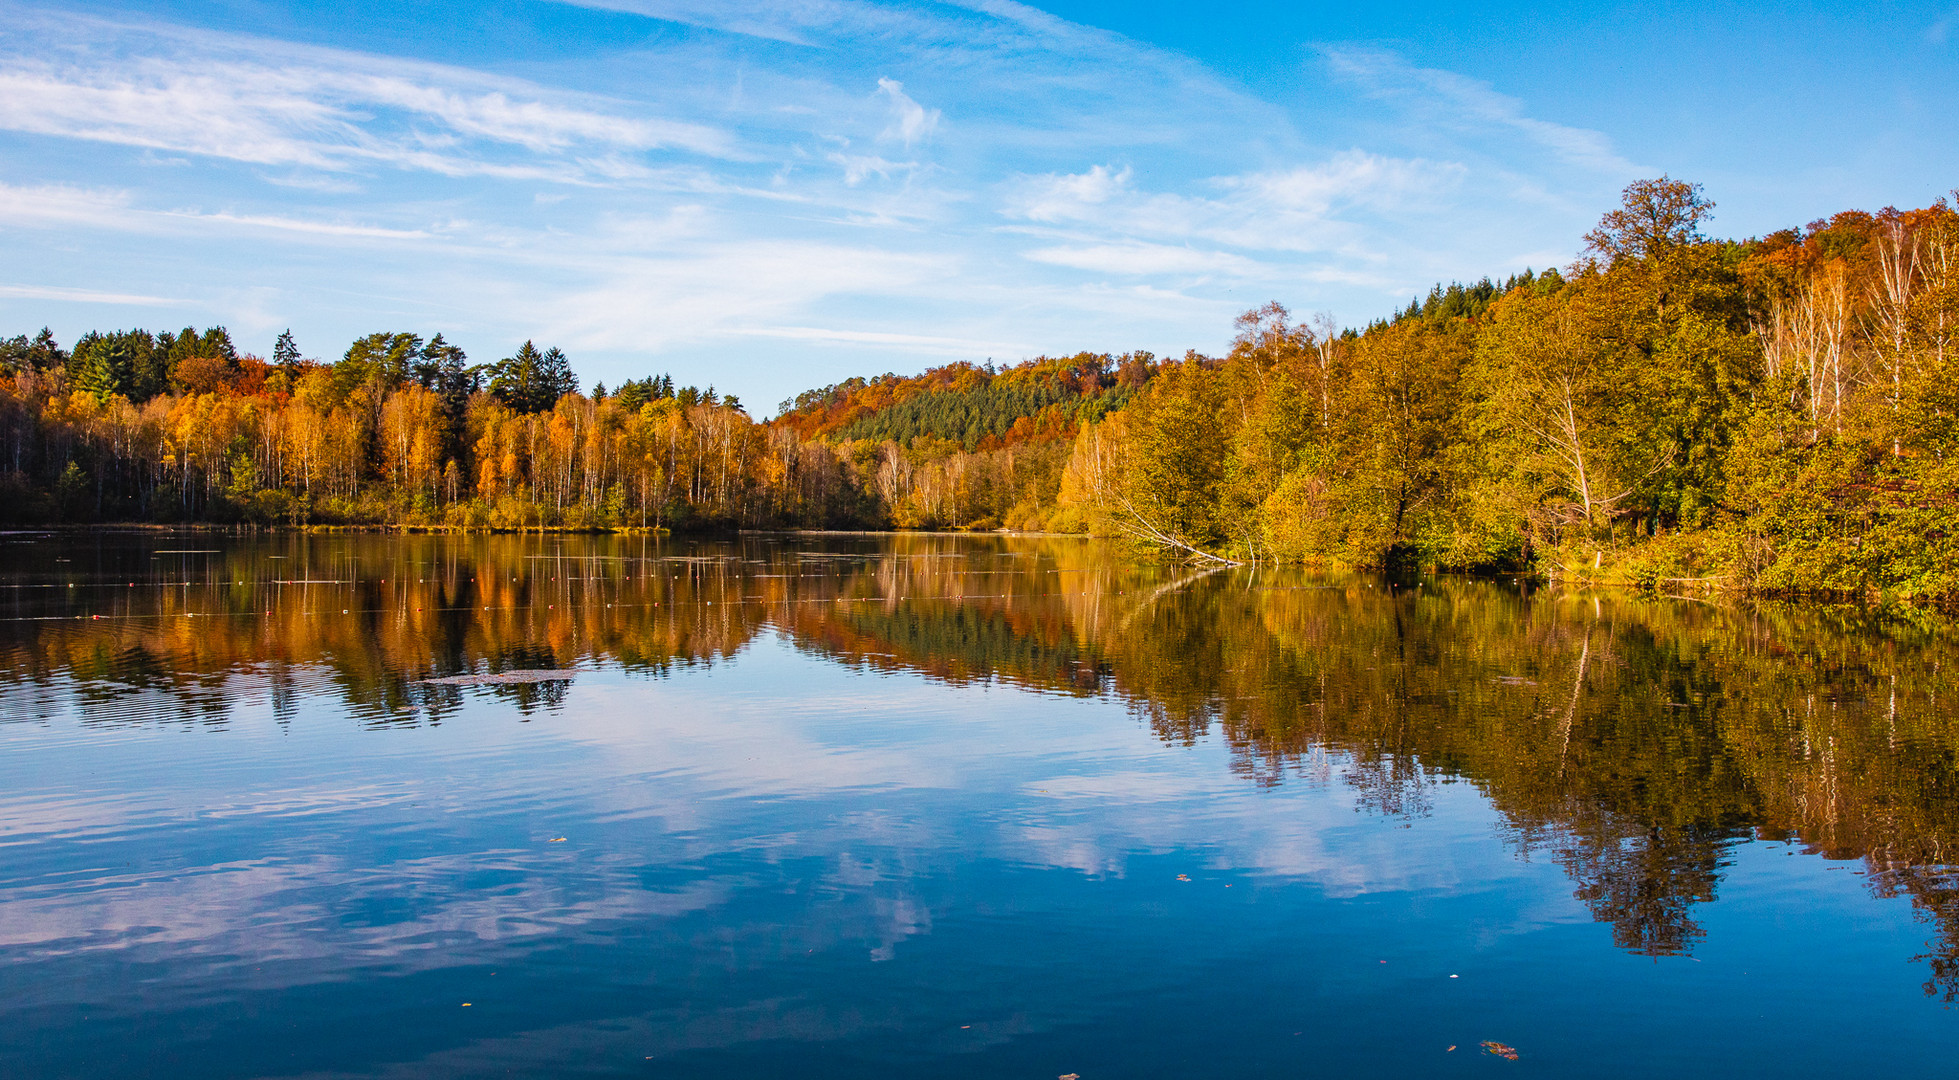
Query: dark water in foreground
{"points": [[930, 806]]}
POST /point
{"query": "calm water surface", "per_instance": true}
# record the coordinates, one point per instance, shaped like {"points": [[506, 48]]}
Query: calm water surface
{"points": [[933, 806]]}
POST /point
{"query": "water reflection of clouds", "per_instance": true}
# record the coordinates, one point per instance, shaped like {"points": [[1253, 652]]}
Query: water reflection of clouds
{"points": [[31, 818], [754, 774], [1317, 840], [1102, 808], [279, 908], [714, 749]]}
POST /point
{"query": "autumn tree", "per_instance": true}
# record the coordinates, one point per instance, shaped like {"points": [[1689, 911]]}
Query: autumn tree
{"points": [[1654, 218]]}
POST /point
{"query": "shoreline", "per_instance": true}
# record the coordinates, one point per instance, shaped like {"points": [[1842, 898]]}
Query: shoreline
{"points": [[1692, 589]]}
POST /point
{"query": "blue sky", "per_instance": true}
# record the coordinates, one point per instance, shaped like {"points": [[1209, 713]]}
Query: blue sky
{"points": [[771, 197]]}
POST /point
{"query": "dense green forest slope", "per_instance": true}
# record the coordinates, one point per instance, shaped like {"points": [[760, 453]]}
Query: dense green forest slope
{"points": [[1775, 414]]}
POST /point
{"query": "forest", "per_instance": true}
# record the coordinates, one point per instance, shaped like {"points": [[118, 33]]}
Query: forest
{"points": [[1774, 414]]}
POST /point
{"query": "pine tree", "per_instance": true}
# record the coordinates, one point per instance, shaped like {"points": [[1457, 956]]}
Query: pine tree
{"points": [[103, 370], [149, 366], [43, 352], [285, 352], [513, 377], [532, 381], [385, 358], [557, 379], [444, 368]]}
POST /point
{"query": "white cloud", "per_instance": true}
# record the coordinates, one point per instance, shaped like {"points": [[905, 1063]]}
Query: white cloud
{"points": [[935, 345], [53, 205], [324, 183], [1351, 179], [1310, 208], [1144, 259], [81, 296], [707, 287], [834, 23], [298, 225], [47, 205], [1468, 102], [788, 23], [1066, 197], [244, 100], [858, 168], [910, 121]]}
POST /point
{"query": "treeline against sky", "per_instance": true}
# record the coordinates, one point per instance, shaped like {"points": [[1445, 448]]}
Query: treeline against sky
{"points": [[1775, 413]]}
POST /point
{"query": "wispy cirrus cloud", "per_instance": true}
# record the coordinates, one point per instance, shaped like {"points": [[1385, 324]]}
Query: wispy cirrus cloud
{"points": [[1145, 260], [45, 205], [54, 205], [1458, 100], [934, 344], [830, 23], [910, 121], [245, 100], [1941, 29], [858, 168], [82, 296], [1329, 208]]}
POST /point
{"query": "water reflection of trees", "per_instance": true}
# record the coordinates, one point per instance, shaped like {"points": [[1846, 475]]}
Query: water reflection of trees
{"points": [[368, 617], [1631, 740]]}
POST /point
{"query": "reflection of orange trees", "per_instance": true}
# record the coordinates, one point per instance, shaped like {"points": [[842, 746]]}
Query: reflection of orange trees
{"points": [[374, 616], [1629, 740], [972, 610]]}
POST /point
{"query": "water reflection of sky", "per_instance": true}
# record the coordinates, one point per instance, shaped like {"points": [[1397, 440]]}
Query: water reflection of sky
{"points": [[783, 864]]}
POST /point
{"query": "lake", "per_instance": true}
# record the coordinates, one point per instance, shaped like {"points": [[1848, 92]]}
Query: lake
{"points": [[918, 805]]}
